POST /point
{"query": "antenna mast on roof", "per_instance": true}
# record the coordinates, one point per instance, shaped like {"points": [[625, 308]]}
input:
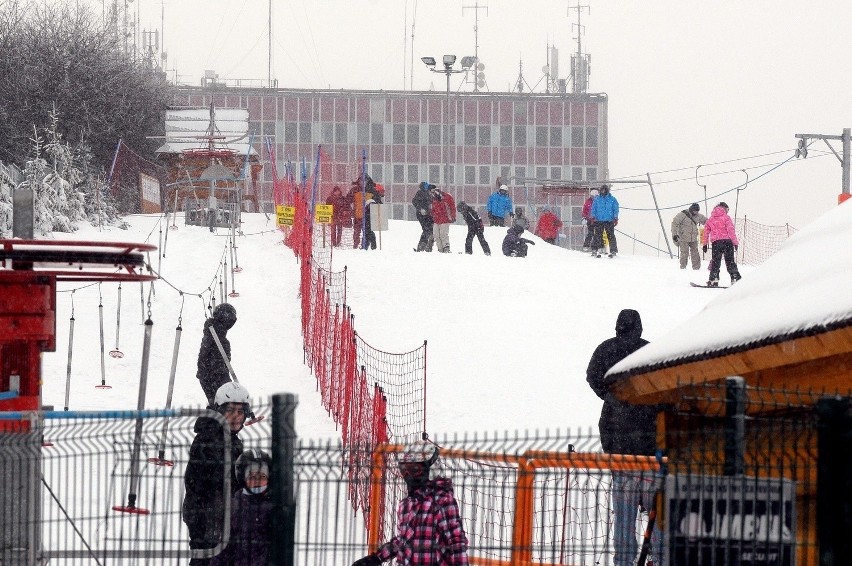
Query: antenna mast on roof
{"points": [[580, 69], [476, 8]]}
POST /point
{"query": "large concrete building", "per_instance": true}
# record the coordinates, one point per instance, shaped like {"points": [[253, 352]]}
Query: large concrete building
{"points": [[549, 147]]}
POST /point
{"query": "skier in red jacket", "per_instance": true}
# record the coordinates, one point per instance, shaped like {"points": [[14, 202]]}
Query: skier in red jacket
{"points": [[548, 226]]}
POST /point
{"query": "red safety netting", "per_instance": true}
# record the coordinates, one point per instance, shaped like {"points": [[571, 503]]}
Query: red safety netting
{"points": [[374, 396]]}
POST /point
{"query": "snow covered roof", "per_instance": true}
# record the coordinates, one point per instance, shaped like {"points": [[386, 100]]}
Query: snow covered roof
{"points": [[186, 128], [801, 291]]}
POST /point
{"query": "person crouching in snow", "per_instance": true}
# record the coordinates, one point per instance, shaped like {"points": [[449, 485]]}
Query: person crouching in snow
{"points": [[513, 244], [251, 513], [720, 232], [429, 525]]}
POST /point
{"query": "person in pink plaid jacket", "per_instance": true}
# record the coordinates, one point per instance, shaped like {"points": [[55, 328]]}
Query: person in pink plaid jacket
{"points": [[429, 525]]}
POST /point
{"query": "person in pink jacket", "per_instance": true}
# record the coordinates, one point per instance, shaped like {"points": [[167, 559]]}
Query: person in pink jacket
{"points": [[720, 232]]}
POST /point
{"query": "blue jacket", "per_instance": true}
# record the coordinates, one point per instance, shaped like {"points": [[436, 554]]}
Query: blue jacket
{"points": [[605, 208], [499, 205]]}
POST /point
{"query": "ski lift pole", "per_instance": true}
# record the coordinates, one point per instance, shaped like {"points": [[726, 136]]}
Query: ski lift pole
{"points": [[70, 352], [117, 353], [103, 384], [161, 451], [137, 437]]}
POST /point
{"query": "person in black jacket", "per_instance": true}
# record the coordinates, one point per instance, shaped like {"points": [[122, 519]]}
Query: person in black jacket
{"points": [[475, 227], [212, 370], [422, 203], [513, 244], [626, 429], [203, 508]]}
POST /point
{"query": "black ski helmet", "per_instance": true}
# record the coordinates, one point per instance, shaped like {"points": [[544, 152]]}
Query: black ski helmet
{"points": [[251, 460]]}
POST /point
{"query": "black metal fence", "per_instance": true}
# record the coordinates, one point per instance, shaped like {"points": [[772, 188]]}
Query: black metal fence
{"points": [[741, 486]]}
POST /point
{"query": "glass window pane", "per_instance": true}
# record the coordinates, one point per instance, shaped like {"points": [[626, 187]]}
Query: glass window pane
{"points": [[327, 132], [470, 135], [341, 133], [484, 135], [541, 173], [556, 136], [451, 176], [290, 132], [576, 173], [434, 134], [413, 134], [556, 173], [469, 175], [591, 173], [434, 174], [413, 174], [506, 136], [484, 175], [576, 136], [520, 172], [591, 136], [541, 136], [520, 136], [399, 173], [377, 172], [378, 133], [305, 132], [399, 133], [504, 172], [362, 134]]}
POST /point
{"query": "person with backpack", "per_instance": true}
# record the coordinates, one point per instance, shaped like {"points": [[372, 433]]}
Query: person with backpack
{"points": [[685, 234], [428, 521], [475, 228], [720, 232], [203, 509]]}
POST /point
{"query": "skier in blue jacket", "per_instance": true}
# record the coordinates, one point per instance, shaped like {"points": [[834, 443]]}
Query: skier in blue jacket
{"points": [[499, 204], [605, 217]]}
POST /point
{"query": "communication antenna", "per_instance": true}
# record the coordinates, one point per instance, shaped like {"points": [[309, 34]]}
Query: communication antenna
{"points": [[479, 79], [580, 68], [413, 21]]}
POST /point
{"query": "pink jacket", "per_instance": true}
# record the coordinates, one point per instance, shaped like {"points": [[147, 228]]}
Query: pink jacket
{"points": [[719, 227]]}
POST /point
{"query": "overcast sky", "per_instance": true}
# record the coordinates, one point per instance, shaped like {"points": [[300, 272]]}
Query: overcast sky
{"points": [[688, 83]]}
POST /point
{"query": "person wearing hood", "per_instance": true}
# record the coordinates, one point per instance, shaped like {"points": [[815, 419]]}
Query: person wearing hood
{"points": [[428, 520], [626, 429], [720, 232], [341, 214], [422, 203], [203, 509], [685, 234], [548, 226], [513, 244], [212, 369]]}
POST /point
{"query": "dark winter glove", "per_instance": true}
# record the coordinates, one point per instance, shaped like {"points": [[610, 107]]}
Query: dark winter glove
{"points": [[369, 560], [615, 222], [736, 247], [675, 238], [704, 248]]}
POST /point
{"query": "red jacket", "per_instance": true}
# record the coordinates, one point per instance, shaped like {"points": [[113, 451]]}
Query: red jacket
{"points": [[587, 208], [444, 210], [548, 226]]}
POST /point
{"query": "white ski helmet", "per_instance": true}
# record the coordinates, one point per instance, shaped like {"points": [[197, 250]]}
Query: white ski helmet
{"points": [[420, 452], [232, 392]]}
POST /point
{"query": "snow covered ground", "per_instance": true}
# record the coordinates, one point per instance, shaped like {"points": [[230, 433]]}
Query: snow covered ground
{"points": [[508, 339]]}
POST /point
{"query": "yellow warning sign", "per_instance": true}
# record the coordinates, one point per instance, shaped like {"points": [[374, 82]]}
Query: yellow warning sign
{"points": [[323, 213], [285, 215]]}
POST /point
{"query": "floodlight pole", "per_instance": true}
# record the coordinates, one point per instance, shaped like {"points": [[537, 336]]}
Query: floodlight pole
{"points": [[846, 141], [448, 70]]}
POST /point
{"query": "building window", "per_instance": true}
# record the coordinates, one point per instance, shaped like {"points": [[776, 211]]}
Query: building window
{"points": [[520, 172], [451, 134], [362, 134], [484, 175], [290, 132], [327, 132], [520, 109], [399, 173], [541, 136], [470, 135], [304, 132], [469, 175], [451, 175], [268, 128], [414, 134], [591, 136], [484, 135], [413, 174], [377, 172], [520, 136], [556, 136], [378, 133], [541, 173], [576, 173], [341, 133], [399, 133], [434, 174], [434, 134], [504, 172], [506, 136], [591, 173], [576, 136], [556, 173]]}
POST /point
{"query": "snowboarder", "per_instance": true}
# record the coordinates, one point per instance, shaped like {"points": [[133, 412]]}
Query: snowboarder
{"points": [[203, 507], [513, 244], [429, 525], [720, 232], [474, 228], [212, 369]]}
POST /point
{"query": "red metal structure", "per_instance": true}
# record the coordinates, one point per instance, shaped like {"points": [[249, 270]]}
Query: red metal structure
{"points": [[29, 270]]}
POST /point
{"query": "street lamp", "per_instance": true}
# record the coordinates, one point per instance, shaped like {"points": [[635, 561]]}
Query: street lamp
{"points": [[448, 61]]}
